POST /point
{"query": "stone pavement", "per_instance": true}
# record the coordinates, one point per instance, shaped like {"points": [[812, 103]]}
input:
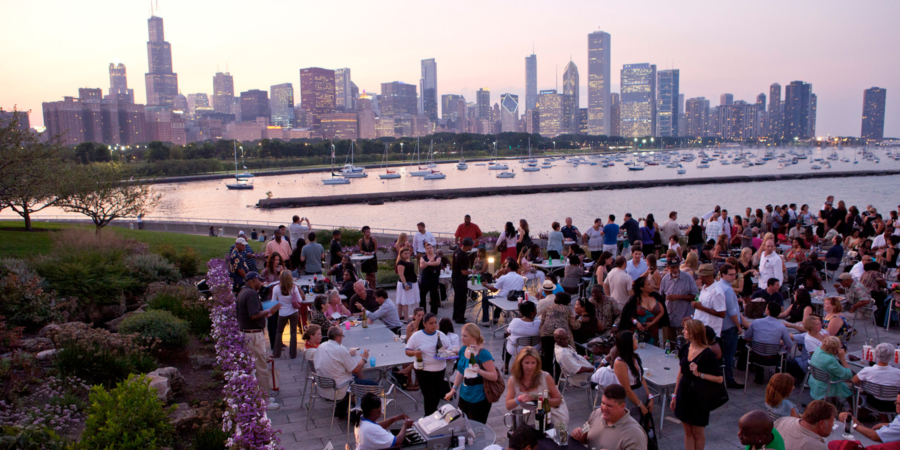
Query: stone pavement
{"points": [[720, 434]]}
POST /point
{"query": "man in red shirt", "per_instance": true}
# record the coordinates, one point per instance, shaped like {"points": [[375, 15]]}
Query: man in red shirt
{"points": [[467, 229]]}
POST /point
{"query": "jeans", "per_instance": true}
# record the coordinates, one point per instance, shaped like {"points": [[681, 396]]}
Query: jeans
{"points": [[282, 321], [729, 341], [485, 304]]}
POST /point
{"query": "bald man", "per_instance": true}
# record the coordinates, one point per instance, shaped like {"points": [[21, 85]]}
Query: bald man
{"points": [[756, 430]]}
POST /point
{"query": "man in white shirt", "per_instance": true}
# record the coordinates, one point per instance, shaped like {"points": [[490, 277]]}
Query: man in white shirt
{"points": [[637, 266], [297, 230], [713, 228], [548, 298], [511, 281], [726, 223], [706, 217], [577, 369], [593, 237], [884, 239], [335, 361], [858, 269], [371, 435], [881, 373], [618, 283], [420, 238], [711, 308], [670, 228]]}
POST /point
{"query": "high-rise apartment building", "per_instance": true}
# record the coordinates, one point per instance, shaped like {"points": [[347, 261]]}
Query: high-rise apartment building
{"points": [[682, 118], [118, 84], [197, 105], [509, 113], [462, 115], [667, 106], [343, 93], [572, 99], [162, 83], [281, 105], [638, 103], [739, 121], [223, 93], [797, 110], [874, 101], [697, 115], [398, 98], [531, 91], [428, 104], [254, 104], [813, 100], [599, 70], [366, 117], [449, 106], [775, 113], [551, 106], [76, 121], [354, 94], [726, 99], [615, 117], [483, 102], [317, 93], [340, 126]]}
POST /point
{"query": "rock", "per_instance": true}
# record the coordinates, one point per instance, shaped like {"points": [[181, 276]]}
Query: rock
{"points": [[161, 384], [100, 314], [199, 362], [45, 332], [113, 325], [183, 417], [35, 345], [176, 381], [46, 355]]}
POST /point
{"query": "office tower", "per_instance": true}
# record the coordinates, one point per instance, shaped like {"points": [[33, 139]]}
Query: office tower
{"points": [[509, 113], [571, 104], [797, 103], [90, 95], [582, 121], [179, 103], [343, 93], [533, 121], [667, 106], [281, 105], [254, 104], [340, 126], [428, 105], [775, 112], [551, 106], [697, 115], [812, 114], [738, 121], [354, 94], [726, 99], [78, 120], [449, 106], [638, 103], [483, 102], [162, 83], [366, 117], [317, 93], [761, 101], [462, 115], [495, 112], [223, 93], [615, 115], [198, 104], [24, 123], [118, 84], [682, 118], [599, 70], [531, 82], [874, 100], [398, 98]]}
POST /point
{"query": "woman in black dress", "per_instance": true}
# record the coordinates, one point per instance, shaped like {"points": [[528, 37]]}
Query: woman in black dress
{"points": [[369, 246], [695, 235], [694, 388], [430, 278]]}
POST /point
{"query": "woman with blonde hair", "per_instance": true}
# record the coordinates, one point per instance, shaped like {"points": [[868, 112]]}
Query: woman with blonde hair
{"points": [[402, 242], [334, 304], [691, 264], [720, 251], [746, 271], [290, 299], [408, 285], [699, 370], [472, 399], [778, 392], [831, 358], [528, 381]]}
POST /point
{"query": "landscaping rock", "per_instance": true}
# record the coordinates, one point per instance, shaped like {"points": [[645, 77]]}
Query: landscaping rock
{"points": [[100, 314], [113, 325], [199, 362], [184, 417], [163, 391], [45, 332], [35, 345], [46, 355], [176, 380]]}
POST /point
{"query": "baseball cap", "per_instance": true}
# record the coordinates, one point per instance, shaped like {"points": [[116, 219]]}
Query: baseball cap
{"points": [[251, 276], [240, 240]]}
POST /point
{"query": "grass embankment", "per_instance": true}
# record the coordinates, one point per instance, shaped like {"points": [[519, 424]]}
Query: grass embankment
{"points": [[15, 242]]}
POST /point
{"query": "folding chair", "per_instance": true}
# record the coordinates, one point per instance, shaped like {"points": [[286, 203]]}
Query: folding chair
{"points": [[877, 391], [564, 383], [822, 376], [310, 374], [527, 341], [871, 310], [325, 383], [357, 391], [758, 348]]}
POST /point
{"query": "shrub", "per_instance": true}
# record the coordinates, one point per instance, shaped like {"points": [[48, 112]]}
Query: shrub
{"points": [[20, 438], [23, 300], [185, 305], [57, 404], [150, 267], [98, 356], [349, 237], [9, 336], [170, 331], [17, 374], [210, 438], [187, 261], [127, 417]]}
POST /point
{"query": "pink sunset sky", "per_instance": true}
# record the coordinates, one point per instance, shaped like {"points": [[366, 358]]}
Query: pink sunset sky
{"points": [[52, 48]]}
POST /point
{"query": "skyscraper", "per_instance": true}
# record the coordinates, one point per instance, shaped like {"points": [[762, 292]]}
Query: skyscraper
{"points": [[254, 104], [366, 117], [449, 106], [570, 92], [598, 82], [615, 117], [223, 93], [797, 109], [682, 118], [509, 113], [638, 104], [531, 82], [281, 105], [874, 100], [343, 93], [667, 106], [726, 99], [162, 83], [775, 112], [428, 104], [813, 100], [354, 94], [197, 104], [551, 107], [483, 102], [398, 98], [118, 84], [697, 115], [317, 93]]}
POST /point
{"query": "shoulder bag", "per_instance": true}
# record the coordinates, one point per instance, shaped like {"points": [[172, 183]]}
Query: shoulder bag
{"points": [[493, 390]]}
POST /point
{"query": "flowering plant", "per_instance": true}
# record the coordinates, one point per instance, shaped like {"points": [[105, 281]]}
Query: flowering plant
{"points": [[246, 403]]}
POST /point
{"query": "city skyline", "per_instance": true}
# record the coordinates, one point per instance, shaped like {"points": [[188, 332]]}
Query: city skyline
{"points": [[709, 66]]}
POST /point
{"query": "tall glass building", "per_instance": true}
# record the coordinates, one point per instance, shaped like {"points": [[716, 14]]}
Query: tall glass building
{"points": [[668, 108], [531, 82], [281, 105], [570, 92], [428, 103], [874, 100], [598, 82], [509, 113], [637, 108]]}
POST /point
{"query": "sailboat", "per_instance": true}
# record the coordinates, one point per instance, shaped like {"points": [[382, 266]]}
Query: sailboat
{"points": [[430, 162], [462, 160], [634, 165], [244, 180], [388, 174], [495, 165], [335, 178], [421, 172], [351, 171], [532, 163]]}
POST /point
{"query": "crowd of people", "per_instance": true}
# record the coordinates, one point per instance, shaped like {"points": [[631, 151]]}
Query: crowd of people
{"points": [[711, 291]]}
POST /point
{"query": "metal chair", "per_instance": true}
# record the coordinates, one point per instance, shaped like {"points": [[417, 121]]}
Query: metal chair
{"points": [[877, 391], [527, 341], [866, 309], [761, 349], [357, 391], [572, 286], [819, 375], [325, 383], [310, 373], [564, 383]]}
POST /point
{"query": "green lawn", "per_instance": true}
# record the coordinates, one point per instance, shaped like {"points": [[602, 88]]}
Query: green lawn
{"points": [[16, 243]]}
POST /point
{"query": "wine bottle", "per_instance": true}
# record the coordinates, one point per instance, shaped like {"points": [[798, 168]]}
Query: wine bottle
{"points": [[539, 421]]}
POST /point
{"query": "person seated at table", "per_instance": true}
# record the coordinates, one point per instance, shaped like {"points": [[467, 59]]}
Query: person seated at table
{"points": [[334, 304], [557, 315], [546, 296], [815, 334], [809, 239], [336, 272], [312, 338], [645, 312], [882, 374], [387, 312], [674, 245], [511, 281], [317, 313], [526, 325], [831, 358], [757, 431], [347, 282], [528, 381], [373, 435], [575, 269], [556, 286], [610, 426], [529, 257], [796, 249], [590, 324], [362, 296], [720, 250], [811, 429], [798, 310], [339, 363], [768, 330], [445, 326], [574, 366], [771, 294], [480, 267], [834, 322], [808, 278], [524, 437], [778, 394], [882, 432]]}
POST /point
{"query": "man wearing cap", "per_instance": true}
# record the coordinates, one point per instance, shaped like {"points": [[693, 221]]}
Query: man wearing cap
{"points": [[459, 276], [710, 308], [467, 229], [237, 265], [855, 294], [251, 319], [680, 290], [593, 237], [247, 253], [548, 296]]}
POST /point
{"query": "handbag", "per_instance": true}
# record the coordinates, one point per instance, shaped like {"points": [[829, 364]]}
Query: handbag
{"points": [[513, 296], [650, 427], [715, 393], [493, 390], [501, 246]]}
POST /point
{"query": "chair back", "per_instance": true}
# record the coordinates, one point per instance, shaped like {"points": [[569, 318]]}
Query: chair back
{"points": [[819, 374], [879, 390], [325, 382], [362, 389], [765, 349], [528, 341], [772, 414], [832, 263]]}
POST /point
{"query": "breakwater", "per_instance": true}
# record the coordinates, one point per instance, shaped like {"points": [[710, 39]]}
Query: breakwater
{"points": [[377, 198]]}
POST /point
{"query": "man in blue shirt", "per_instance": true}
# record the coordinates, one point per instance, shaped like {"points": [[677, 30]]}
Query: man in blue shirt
{"points": [[637, 266], [883, 432], [570, 232], [611, 236], [632, 229], [731, 325], [768, 330]]}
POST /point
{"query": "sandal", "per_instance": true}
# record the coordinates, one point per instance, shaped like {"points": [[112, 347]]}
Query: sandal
{"points": [[414, 387]]}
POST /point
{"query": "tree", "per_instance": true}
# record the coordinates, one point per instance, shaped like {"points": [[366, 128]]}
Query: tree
{"points": [[99, 192], [157, 151], [30, 170]]}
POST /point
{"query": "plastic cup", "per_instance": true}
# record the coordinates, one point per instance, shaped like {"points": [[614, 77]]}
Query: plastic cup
{"points": [[372, 361], [347, 325]]}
